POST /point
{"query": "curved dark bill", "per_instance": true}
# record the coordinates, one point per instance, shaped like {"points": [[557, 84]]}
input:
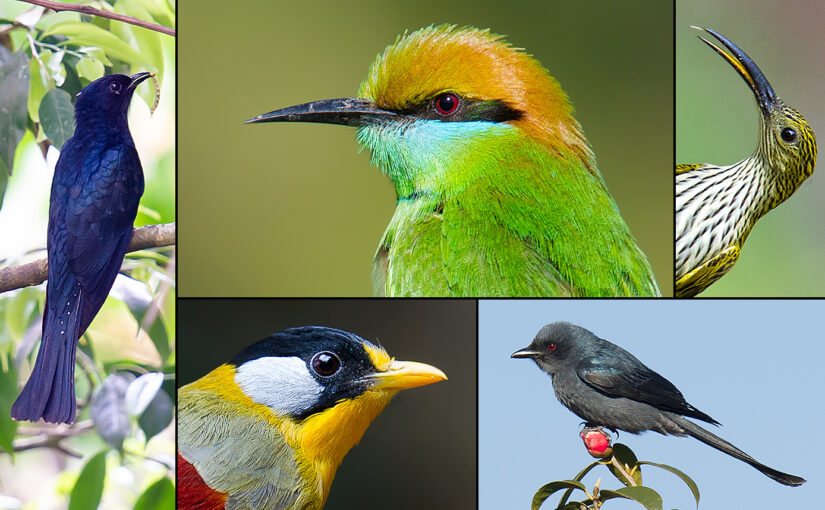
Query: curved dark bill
{"points": [[348, 111], [137, 78], [525, 353], [747, 68]]}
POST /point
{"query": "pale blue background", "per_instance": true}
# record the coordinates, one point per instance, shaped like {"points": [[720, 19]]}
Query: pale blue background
{"points": [[755, 366]]}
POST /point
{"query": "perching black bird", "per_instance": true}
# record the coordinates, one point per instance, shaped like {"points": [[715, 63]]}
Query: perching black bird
{"points": [[98, 182], [606, 385]]}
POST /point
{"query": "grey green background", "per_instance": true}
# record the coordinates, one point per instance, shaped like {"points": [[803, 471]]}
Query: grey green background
{"points": [[421, 451], [717, 122], [295, 210], [753, 365]]}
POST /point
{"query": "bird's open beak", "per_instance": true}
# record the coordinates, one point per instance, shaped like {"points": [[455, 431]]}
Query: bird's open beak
{"points": [[525, 353], [747, 68], [138, 78], [407, 374], [348, 111]]}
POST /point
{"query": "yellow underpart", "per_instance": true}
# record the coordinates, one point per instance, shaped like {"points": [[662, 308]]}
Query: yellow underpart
{"points": [[703, 276]]}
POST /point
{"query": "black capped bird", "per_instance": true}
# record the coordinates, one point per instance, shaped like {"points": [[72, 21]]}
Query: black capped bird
{"points": [[97, 185], [717, 206], [607, 386], [269, 429]]}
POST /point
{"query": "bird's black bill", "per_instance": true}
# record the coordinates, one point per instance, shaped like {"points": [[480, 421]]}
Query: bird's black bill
{"points": [[138, 78], [525, 353], [747, 68], [348, 111]]}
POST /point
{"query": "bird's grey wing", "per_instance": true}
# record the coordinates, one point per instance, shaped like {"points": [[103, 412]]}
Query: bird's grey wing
{"points": [[629, 378]]}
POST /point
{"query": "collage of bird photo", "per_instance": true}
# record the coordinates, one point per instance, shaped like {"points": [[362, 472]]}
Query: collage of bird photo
{"points": [[458, 255]]}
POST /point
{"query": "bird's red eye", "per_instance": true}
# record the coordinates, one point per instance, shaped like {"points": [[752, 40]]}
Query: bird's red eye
{"points": [[446, 103], [551, 347], [325, 363]]}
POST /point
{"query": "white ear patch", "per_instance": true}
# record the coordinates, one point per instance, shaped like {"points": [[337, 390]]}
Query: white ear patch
{"points": [[281, 383]]}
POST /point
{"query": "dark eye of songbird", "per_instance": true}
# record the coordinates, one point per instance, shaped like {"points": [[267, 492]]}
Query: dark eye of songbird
{"points": [[325, 363], [789, 134], [114, 88], [446, 103]]}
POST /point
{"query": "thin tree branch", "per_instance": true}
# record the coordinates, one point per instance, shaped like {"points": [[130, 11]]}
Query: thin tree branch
{"points": [[35, 273], [85, 9]]}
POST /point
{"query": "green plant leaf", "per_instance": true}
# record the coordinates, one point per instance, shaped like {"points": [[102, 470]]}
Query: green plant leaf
{"points": [[685, 478], [141, 391], [89, 486], [14, 96], [54, 64], [57, 116], [90, 68], [158, 496], [547, 490], [87, 34], [8, 393], [157, 416], [108, 409], [578, 478], [645, 496], [38, 86], [627, 458]]}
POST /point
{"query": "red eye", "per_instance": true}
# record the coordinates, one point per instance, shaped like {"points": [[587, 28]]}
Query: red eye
{"points": [[551, 347], [446, 103]]}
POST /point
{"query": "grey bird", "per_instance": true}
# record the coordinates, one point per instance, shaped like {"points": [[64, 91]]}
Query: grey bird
{"points": [[607, 386]]}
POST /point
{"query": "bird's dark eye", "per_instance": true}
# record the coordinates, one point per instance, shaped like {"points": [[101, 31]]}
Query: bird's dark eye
{"points": [[551, 347], [114, 88], [325, 363], [446, 103], [789, 135]]}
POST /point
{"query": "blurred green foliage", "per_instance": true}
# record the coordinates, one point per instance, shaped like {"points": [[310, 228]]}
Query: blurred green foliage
{"points": [[119, 453], [294, 210]]}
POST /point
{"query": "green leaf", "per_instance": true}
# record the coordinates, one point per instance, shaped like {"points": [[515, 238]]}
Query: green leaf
{"points": [[90, 68], [148, 41], [141, 391], [89, 486], [95, 52], [158, 496], [627, 458], [645, 496], [14, 96], [157, 416], [19, 309], [56, 116], [685, 478], [86, 34], [38, 86], [578, 478], [8, 393], [547, 490], [108, 409]]}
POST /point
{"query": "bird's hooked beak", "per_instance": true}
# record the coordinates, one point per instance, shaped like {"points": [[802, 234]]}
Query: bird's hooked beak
{"points": [[348, 111], [138, 78], [403, 375], [747, 68], [527, 352]]}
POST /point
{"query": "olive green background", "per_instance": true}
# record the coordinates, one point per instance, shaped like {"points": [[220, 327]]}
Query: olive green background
{"points": [[717, 122], [295, 210], [421, 451]]}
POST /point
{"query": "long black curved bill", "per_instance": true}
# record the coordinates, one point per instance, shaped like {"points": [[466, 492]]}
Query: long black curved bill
{"points": [[348, 111], [747, 68], [138, 78]]}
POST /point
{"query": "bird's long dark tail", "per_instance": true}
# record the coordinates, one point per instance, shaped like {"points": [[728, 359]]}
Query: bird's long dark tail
{"points": [[720, 444], [49, 392]]}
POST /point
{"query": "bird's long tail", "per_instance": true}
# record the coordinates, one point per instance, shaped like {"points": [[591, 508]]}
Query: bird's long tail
{"points": [[723, 446], [49, 392]]}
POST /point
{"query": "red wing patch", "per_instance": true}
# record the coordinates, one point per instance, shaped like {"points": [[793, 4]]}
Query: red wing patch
{"points": [[193, 493]]}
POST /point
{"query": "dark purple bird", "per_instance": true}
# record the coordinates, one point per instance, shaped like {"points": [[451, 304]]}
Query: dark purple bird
{"points": [[607, 386], [98, 182]]}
